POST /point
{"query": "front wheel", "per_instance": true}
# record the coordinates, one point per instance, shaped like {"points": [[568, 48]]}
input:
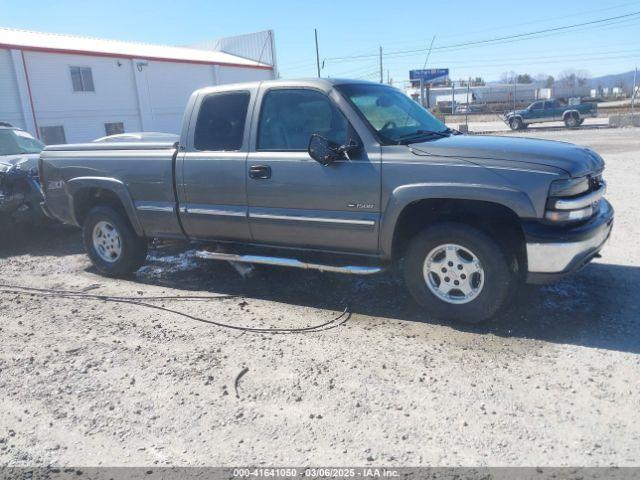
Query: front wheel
{"points": [[516, 123], [111, 243], [457, 272], [572, 120]]}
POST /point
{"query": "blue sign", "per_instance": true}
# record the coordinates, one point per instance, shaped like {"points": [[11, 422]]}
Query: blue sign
{"points": [[429, 74]]}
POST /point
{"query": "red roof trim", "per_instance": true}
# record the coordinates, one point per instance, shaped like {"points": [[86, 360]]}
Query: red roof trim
{"points": [[120, 55]]}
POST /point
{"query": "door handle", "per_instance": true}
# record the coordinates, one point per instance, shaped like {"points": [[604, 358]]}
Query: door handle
{"points": [[260, 171]]}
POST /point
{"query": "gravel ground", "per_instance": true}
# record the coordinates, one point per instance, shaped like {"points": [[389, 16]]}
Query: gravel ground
{"points": [[87, 382]]}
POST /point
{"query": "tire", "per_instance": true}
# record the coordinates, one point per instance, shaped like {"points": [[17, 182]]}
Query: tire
{"points": [[516, 123], [572, 120], [111, 243], [494, 284]]}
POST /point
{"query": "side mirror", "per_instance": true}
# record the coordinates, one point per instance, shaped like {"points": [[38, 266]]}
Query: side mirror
{"points": [[321, 150]]}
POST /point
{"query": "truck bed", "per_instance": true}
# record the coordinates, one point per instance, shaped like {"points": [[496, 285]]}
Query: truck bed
{"points": [[142, 174]]}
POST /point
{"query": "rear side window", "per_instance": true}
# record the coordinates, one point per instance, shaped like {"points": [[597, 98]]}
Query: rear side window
{"points": [[221, 120], [290, 116]]}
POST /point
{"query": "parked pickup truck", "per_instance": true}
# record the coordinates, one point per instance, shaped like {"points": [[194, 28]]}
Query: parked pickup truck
{"points": [[341, 176], [551, 111]]}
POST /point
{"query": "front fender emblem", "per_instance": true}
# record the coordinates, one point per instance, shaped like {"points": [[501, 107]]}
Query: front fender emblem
{"points": [[365, 206]]}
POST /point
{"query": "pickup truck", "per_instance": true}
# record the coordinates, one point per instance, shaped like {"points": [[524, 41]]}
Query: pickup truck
{"points": [[341, 176], [551, 111]]}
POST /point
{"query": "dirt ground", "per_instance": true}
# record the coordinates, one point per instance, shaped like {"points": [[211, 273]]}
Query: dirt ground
{"points": [[88, 382]]}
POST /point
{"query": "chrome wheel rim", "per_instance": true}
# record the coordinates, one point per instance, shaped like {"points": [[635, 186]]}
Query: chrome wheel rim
{"points": [[453, 273], [107, 242]]}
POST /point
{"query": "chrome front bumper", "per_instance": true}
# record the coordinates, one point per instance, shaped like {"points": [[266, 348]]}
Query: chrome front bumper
{"points": [[553, 252]]}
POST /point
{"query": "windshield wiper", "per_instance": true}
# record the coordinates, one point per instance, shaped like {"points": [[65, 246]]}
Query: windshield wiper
{"points": [[420, 133]]}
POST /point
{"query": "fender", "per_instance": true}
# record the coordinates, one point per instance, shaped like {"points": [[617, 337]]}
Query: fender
{"points": [[404, 195], [567, 112], [113, 185]]}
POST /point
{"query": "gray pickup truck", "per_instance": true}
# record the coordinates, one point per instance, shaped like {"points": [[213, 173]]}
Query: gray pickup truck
{"points": [[341, 176]]}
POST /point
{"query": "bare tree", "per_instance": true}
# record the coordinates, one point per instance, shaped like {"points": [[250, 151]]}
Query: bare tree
{"points": [[508, 77], [574, 78]]}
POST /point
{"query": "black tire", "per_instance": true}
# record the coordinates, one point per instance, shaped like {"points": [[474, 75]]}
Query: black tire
{"points": [[572, 120], [133, 249], [499, 279], [516, 123]]}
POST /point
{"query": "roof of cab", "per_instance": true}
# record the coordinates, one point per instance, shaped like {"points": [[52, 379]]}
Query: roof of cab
{"points": [[321, 83]]}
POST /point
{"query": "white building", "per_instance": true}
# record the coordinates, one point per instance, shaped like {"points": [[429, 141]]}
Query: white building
{"points": [[71, 89]]}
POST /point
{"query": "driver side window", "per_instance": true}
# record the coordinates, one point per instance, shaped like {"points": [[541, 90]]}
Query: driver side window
{"points": [[290, 116]]}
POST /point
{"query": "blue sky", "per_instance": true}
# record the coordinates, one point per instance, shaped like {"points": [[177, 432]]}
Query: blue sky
{"points": [[354, 27]]}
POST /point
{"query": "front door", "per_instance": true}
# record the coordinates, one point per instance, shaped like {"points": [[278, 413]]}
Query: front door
{"points": [[211, 177], [294, 200]]}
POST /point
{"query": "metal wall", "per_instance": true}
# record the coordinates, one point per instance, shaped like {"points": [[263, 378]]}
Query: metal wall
{"points": [[258, 46]]}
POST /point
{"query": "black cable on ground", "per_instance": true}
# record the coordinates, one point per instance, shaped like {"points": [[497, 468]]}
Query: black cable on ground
{"points": [[82, 295]]}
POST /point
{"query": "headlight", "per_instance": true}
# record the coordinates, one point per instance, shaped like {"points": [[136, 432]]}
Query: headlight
{"points": [[569, 187]]}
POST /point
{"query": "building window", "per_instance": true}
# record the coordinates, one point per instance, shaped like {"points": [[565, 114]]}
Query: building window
{"points": [[53, 135], [220, 125], [114, 128], [82, 79]]}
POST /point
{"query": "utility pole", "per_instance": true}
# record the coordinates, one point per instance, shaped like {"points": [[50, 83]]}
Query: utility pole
{"points": [[515, 90], [466, 117], [315, 30], [381, 75], [453, 97], [633, 92]]}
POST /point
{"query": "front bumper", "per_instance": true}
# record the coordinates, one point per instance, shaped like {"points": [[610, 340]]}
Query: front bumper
{"points": [[553, 252]]}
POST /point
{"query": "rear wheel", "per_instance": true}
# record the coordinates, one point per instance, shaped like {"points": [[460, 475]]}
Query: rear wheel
{"points": [[516, 123], [111, 243], [458, 272], [572, 120]]}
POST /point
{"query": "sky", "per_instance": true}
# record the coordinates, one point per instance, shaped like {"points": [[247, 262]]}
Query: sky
{"points": [[355, 28]]}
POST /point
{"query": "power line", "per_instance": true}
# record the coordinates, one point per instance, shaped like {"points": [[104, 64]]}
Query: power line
{"points": [[491, 40]]}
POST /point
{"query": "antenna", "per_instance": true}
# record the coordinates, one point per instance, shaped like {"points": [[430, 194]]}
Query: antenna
{"points": [[423, 67], [315, 30]]}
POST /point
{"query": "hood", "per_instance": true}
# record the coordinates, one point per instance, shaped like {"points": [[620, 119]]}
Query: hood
{"points": [[511, 113], [573, 159], [24, 161]]}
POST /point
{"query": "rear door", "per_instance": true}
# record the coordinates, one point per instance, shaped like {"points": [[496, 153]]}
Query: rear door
{"points": [[211, 174], [294, 200], [555, 109]]}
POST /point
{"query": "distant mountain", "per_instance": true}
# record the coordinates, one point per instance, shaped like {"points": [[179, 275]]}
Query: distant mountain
{"points": [[614, 80]]}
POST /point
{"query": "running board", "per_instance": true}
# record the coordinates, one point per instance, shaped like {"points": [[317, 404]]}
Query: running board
{"points": [[287, 262]]}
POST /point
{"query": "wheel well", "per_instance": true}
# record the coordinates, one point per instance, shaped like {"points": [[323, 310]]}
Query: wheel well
{"points": [[498, 221], [570, 113], [87, 198]]}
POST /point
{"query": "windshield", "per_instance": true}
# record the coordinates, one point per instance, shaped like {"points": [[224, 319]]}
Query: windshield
{"points": [[16, 142], [394, 117]]}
